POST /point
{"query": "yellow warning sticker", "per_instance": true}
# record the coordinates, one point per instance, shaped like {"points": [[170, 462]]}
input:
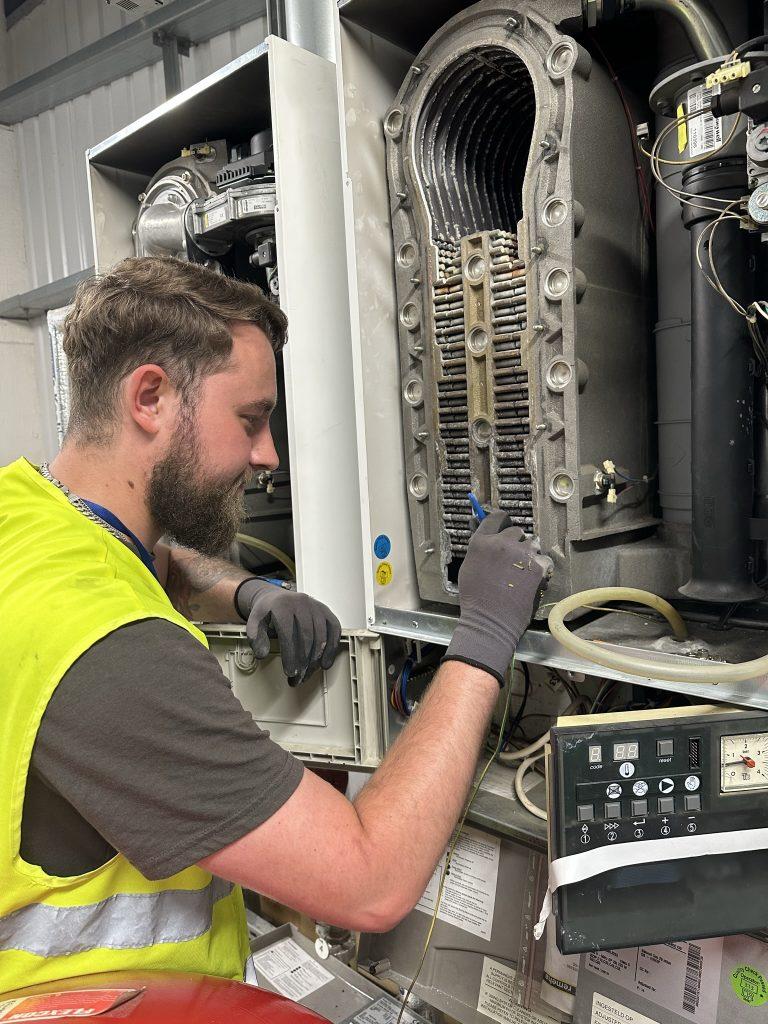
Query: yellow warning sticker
{"points": [[682, 129], [384, 573]]}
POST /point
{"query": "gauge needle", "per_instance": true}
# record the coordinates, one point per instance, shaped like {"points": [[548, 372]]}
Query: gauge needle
{"points": [[744, 760]]}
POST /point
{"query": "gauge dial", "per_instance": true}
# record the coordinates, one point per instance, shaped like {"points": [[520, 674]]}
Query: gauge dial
{"points": [[744, 762]]}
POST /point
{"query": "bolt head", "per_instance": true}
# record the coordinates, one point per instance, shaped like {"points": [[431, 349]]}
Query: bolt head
{"points": [[511, 24], [756, 87]]}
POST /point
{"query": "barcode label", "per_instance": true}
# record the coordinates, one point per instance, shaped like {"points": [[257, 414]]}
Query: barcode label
{"points": [[705, 132], [692, 983]]}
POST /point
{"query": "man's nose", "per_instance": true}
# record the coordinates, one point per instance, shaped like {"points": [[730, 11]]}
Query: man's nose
{"points": [[264, 454]]}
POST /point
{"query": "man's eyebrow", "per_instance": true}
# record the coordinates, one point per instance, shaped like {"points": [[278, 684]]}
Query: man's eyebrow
{"points": [[261, 407]]}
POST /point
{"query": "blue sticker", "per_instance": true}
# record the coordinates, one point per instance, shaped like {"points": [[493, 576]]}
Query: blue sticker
{"points": [[382, 546]]}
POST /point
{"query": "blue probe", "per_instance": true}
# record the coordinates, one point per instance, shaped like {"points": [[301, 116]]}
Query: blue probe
{"points": [[477, 509]]}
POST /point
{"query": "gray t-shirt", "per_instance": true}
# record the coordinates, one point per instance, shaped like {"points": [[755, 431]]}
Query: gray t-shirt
{"points": [[144, 749]]}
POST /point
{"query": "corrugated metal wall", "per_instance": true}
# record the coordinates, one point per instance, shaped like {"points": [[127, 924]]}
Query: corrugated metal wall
{"points": [[56, 28], [52, 149]]}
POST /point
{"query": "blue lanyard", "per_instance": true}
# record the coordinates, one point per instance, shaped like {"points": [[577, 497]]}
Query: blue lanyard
{"points": [[111, 518]]}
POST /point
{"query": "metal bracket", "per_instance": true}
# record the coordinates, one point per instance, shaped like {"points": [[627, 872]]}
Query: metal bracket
{"points": [[173, 49]]}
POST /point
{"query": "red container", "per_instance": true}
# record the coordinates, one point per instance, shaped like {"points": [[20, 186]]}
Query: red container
{"points": [[151, 997]]}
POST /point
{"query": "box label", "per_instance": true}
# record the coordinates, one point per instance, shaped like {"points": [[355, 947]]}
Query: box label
{"points": [[496, 999], [290, 970], [705, 133], [75, 1003], [682, 976], [606, 1011], [385, 1011], [469, 894]]}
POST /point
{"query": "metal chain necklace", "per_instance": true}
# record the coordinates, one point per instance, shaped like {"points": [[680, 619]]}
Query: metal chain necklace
{"points": [[81, 506]]}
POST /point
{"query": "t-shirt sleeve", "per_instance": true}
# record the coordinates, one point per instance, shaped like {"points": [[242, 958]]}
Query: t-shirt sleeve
{"points": [[144, 737]]}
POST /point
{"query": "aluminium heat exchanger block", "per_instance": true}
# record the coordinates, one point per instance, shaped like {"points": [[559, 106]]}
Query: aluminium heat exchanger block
{"points": [[520, 265]]}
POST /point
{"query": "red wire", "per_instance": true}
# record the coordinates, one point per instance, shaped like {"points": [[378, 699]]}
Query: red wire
{"points": [[642, 184]]}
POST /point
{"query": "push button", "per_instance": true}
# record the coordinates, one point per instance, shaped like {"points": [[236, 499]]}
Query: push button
{"points": [[665, 748], [693, 802], [613, 810], [639, 808], [666, 805], [585, 812]]}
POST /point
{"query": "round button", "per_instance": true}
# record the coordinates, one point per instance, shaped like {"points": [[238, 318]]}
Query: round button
{"points": [[666, 785], [640, 788], [692, 783], [626, 770], [614, 790], [585, 840]]}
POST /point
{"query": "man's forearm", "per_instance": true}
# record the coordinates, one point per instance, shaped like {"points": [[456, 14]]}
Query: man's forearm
{"points": [[409, 808], [203, 588]]}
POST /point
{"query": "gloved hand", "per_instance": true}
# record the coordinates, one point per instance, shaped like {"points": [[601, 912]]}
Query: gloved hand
{"points": [[308, 632], [500, 584]]}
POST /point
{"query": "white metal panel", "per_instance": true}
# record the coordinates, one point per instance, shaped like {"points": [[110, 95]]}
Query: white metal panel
{"points": [[56, 28], [369, 71], [318, 362], [52, 152]]}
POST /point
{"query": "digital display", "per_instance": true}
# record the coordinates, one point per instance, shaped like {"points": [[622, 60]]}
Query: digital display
{"points": [[595, 754], [626, 751]]}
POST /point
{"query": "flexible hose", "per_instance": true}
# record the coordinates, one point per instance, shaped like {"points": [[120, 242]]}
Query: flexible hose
{"points": [[650, 668], [270, 549]]}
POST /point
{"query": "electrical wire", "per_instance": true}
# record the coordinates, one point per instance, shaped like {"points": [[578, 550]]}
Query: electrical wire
{"points": [[749, 45], [642, 185], [681, 194], [522, 796], [449, 855]]}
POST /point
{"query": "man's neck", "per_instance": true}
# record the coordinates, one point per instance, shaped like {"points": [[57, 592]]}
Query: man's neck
{"points": [[106, 476]]}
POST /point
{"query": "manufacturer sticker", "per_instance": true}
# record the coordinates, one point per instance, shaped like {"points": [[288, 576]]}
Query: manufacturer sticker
{"points": [[705, 133], [56, 1005], [606, 1011], [384, 574], [750, 985]]}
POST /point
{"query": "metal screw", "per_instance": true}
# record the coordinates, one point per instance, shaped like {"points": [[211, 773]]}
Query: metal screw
{"points": [[538, 328], [545, 144], [762, 200], [186, 176], [537, 250], [415, 279], [511, 24], [142, 196], [757, 87], [416, 69]]}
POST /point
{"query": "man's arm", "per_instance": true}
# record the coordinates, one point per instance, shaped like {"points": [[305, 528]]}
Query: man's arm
{"points": [[389, 840], [200, 587]]}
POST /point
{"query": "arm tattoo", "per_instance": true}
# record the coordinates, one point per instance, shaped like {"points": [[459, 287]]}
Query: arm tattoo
{"points": [[192, 582]]}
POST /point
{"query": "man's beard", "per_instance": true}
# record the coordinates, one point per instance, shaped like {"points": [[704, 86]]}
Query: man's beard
{"points": [[198, 513]]}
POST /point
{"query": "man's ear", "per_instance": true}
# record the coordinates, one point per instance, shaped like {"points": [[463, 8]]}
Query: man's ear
{"points": [[150, 398]]}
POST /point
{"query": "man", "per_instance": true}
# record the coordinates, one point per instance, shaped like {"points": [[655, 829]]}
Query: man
{"points": [[136, 794]]}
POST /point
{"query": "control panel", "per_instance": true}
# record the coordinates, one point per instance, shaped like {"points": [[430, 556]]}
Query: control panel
{"points": [[618, 780]]}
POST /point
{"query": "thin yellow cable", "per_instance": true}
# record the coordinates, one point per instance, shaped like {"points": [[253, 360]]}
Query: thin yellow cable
{"points": [[452, 848]]}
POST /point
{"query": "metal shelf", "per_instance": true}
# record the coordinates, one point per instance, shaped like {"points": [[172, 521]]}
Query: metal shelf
{"points": [[631, 634]]}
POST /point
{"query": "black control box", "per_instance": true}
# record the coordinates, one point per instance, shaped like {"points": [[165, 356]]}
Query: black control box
{"points": [[619, 779]]}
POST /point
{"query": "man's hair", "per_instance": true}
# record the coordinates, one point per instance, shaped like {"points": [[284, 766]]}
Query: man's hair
{"points": [[153, 309]]}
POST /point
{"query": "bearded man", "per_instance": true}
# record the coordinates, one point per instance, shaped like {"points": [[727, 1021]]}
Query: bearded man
{"points": [[136, 794]]}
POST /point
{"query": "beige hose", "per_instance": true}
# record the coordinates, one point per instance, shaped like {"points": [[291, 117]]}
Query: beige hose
{"points": [[690, 672], [270, 549]]}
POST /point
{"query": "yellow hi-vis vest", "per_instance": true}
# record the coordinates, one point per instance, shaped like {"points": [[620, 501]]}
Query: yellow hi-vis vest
{"points": [[64, 584]]}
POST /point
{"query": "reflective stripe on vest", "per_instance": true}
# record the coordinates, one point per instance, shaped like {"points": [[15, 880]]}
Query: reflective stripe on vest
{"points": [[119, 922]]}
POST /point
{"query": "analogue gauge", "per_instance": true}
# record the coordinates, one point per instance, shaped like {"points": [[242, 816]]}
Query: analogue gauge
{"points": [[744, 762]]}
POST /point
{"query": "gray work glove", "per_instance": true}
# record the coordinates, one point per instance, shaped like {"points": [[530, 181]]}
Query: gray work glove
{"points": [[308, 632], [500, 585]]}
